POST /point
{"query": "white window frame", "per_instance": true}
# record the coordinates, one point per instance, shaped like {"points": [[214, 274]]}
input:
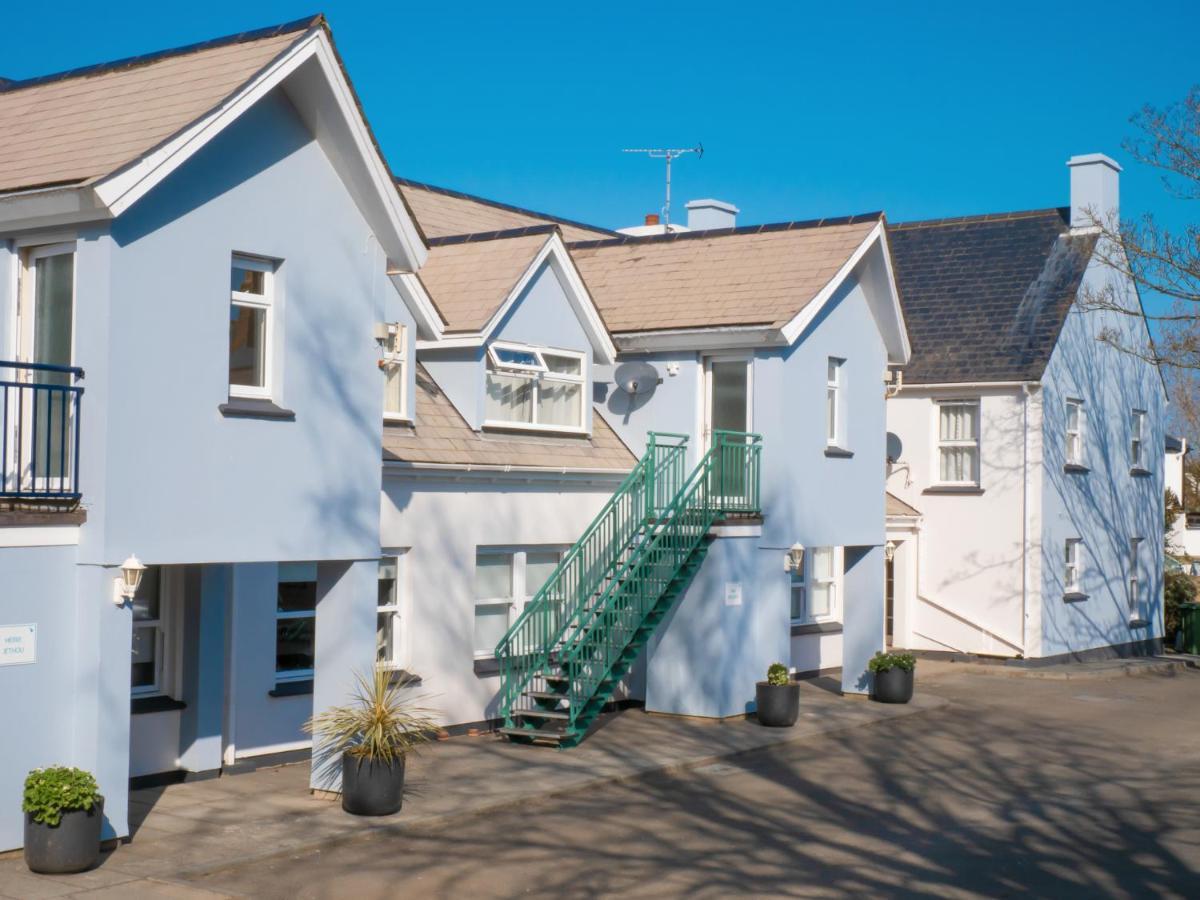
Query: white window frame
{"points": [[834, 427], [1137, 439], [1075, 448], [397, 609], [537, 375], [167, 641], [294, 674], [518, 595], [1135, 578], [975, 442], [805, 579], [267, 303], [394, 363], [1073, 566]]}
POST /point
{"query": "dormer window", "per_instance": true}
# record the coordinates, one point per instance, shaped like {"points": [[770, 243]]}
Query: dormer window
{"points": [[534, 387]]}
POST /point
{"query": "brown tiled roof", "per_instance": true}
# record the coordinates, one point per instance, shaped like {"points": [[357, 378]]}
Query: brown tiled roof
{"points": [[82, 125], [441, 435], [760, 275], [468, 279], [897, 507], [442, 212]]}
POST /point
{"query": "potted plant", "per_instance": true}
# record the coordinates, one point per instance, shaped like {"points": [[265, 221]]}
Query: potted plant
{"points": [[63, 813], [777, 700], [370, 737], [893, 681]]}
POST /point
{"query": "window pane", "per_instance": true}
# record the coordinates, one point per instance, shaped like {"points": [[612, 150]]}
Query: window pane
{"points": [[387, 582], [393, 389], [957, 463], [798, 610], [146, 600], [1072, 416], [54, 285], [730, 396], [516, 357], [958, 421], [833, 371], [821, 595], [539, 566], [145, 653], [509, 398], [563, 365], [823, 563], [297, 596], [831, 414], [247, 343], [294, 644], [560, 404], [247, 281], [491, 621], [493, 575], [385, 637]]}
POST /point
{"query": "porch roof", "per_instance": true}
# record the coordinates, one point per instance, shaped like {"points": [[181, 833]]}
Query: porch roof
{"points": [[897, 507]]}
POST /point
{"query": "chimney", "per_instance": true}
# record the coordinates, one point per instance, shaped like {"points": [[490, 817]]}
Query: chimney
{"points": [[651, 218], [1095, 189], [704, 215]]}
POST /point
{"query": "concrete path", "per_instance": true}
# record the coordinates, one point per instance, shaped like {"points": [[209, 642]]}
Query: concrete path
{"points": [[184, 831]]}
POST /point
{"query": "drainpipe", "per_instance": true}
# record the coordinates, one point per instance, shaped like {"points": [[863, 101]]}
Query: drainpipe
{"points": [[1026, 390]]}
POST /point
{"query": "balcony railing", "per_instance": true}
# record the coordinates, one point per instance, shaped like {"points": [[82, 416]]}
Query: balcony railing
{"points": [[39, 432]]}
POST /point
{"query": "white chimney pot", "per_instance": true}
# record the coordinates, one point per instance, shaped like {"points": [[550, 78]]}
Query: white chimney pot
{"points": [[1095, 190], [704, 215]]}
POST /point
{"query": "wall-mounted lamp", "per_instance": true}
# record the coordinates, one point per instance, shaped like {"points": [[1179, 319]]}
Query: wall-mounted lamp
{"points": [[889, 551], [125, 587], [793, 560]]}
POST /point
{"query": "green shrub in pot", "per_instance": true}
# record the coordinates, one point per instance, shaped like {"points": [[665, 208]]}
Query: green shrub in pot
{"points": [[63, 816], [893, 677]]}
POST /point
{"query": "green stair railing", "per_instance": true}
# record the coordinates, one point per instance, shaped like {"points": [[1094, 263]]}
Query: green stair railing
{"points": [[528, 647], [725, 482]]}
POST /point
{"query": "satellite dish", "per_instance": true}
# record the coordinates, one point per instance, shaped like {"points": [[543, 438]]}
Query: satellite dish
{"points": [[894, 447], [637, 378]]}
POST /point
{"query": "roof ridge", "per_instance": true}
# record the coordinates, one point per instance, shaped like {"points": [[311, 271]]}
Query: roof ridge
{"points": [[726, 232], [480, 236], [1060, 211], [463, 195], [129, 62]]}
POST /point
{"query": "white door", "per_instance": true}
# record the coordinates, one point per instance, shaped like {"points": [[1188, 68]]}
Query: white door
{"points": [[726, 395]]}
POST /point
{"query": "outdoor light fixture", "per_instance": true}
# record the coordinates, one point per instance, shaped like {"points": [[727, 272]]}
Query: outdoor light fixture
{"points": [[889, 551], [125, 587], [793, 561]]}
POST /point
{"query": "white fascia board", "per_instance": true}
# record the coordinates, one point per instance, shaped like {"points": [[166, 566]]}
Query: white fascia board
{"points": [[885, 249], [968, 385], [122, 189], [727, 338], [50, 207], [414, 295]]}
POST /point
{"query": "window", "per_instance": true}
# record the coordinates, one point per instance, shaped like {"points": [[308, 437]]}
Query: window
{"points": [[295, 621], [1075, 422], [1135, 582], [815, 591], [958, 442], [534, 388], [250, 315], [389, 627], [505, 580], [833, 401], [395, 372], [1137, 430], [150, 666], [1071, 571]]}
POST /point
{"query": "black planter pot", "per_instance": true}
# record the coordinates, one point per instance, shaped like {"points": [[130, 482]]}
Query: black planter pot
{"points": [[777, 705], [892, 686], [73, 845], [371, 787]]}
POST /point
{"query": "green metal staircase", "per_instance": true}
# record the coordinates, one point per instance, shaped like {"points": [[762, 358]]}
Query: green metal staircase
{"points": [[577, 638]]}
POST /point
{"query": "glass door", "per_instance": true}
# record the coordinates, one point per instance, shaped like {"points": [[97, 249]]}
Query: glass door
{"points": [[727, 408]]}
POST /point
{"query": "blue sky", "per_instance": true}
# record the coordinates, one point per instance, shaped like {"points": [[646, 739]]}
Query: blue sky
{"points": [[920, 110]]}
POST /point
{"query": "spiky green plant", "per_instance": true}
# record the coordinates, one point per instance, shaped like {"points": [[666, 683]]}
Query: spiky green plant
{"points": [[381, 722]]}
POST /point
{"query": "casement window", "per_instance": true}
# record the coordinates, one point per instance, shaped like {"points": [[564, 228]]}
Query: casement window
{"points": [[505, 580], [1076, 419], [295, 621], [1072, 578], [531, 387], [394, 364], [834, 427], [154, 646], [816, 586], [958, 442], [389, 628], [251, 325], [1135, 578], [1137, 442]]}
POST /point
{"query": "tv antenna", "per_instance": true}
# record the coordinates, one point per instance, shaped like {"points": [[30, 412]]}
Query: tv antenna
{"points": [[668, 153]]}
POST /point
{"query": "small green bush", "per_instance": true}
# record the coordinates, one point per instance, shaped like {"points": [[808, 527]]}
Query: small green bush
{"points": [[51, 792], [1178, 589], [883, 662], [777, 673]]}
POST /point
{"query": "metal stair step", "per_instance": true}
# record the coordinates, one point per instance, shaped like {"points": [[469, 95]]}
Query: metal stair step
{"points": [[537, 735], [542, 713], [545, 695]]}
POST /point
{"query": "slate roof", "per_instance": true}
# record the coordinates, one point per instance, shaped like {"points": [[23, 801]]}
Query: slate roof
{"points": [[985, 297], [469, 277], [756, 275], [440, 435], [442, 212], [77, 127]]}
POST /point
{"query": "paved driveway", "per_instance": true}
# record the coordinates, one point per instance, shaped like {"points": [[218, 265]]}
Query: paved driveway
{"points": [[1087, 788]]}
